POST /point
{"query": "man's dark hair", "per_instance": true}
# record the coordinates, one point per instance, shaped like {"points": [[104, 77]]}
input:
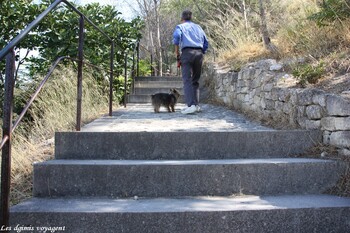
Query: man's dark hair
{"points": [[186, 15]]}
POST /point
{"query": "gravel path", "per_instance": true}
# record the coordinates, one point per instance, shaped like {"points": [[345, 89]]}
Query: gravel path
{"points": [[140, 117]]}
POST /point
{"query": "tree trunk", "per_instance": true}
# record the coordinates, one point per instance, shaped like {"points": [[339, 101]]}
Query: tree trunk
{"points": [[245, 17], [159, 45], [264, 31]]}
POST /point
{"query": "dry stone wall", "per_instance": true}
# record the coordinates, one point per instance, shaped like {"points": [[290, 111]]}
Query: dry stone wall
{"points": [[264, 91]]}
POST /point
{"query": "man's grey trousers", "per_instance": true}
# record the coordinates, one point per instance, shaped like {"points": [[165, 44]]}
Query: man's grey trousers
{"points": [[191, 63]]}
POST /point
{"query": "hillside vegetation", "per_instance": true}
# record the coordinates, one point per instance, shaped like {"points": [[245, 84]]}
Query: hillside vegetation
{"points": [[315, 32]]}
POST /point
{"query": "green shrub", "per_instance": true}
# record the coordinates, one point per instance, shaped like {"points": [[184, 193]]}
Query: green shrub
{"points": [[307, 73]]}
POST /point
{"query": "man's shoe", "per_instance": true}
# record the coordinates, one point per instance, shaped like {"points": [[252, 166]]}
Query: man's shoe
{"points": [[198, 109], [189, 110]]}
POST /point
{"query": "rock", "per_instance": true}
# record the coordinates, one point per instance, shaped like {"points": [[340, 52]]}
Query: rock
{"points": [[276, 67], [265, 64], [337, 106], [344, 152], [314, 112], [309, 124], [305, 97], [340, 139], [324, 154], [326, 137], [335, 123], [267, 87], [320, 98]]}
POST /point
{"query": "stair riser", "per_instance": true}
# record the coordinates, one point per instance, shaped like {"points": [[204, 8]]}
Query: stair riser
{"points": [[146, 99], [322, 220], [54, 180], [183, 145], [151, 91], [164, 78], [159, 84]]}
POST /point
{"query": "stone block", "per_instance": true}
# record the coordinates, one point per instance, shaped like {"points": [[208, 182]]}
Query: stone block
{"points": [[287, 108], [256, 82], [279, 106], [270, 104], [335, 123], [302, 122], [301, 111], [258, 91], [310, 124], [305, 97], [320, 99], [340, 139], [314, 112], [244, 90], [247, 98], [337, 106], [326, 137], [267, 87], [268, 95], [344, 152], [257, 100]]}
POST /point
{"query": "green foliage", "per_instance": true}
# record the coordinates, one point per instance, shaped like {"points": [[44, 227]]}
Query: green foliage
{"points": [[332, 11], [307, 73], [144, 68], [57, 35]]}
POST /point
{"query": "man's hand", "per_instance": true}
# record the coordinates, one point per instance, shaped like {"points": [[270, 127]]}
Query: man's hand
{"points": [[178, 61]]}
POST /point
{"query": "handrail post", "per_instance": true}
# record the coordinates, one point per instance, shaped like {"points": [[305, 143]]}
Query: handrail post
{"points": [[7, 131], [111, 80], [152, 69], [80, 72], [133, 72], [125, 76], [138, 59]]}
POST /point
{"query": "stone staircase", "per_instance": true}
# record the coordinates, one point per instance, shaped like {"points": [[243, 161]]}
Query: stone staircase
{"points": [[144, 87], [203, 182], [183, 181]]}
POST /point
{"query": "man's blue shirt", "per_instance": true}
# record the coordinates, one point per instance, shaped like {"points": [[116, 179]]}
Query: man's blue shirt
{"points": [[189, 34]]}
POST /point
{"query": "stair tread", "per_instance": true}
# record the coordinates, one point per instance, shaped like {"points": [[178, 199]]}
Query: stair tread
{"points": [[187, 162], [183, 204]]}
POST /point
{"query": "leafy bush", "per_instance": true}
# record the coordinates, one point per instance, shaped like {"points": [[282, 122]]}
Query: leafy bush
{"points": [[308, 73], [332, 11]]}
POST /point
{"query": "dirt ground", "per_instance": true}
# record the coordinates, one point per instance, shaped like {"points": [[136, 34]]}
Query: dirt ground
{"points": [[335, 84]]}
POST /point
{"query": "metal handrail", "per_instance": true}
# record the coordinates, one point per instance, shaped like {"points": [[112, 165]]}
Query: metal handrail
{"points": [[8, 128]]}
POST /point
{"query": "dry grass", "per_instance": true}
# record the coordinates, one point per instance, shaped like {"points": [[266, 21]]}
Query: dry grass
{"points": [[243, 54], [54, 110]]}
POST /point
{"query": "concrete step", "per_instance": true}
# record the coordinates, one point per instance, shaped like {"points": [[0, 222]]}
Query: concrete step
{"points": [[246, 214], [158, 78], [184, 145], [158, 84], [137, 98], [151, 91], [129, 178]]}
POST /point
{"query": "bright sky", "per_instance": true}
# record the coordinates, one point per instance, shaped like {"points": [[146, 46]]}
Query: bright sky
{"points": [[128, 8]]}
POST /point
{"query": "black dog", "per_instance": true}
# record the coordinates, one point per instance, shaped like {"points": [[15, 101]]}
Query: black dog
{"points": [[166, 100]]}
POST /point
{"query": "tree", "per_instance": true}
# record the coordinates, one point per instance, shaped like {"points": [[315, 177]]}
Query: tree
{"points": [[264, 31], [15, 15], [150, 11]]}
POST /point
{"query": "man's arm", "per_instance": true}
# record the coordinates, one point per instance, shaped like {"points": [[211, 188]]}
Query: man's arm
{"points": [[176, 40], [177, 50]]}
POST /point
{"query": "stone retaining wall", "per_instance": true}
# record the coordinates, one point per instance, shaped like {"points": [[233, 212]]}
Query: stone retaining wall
{"points": [[264, 91]]}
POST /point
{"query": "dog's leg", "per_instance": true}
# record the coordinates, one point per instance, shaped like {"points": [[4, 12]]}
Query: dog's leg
{"points": [[173, 108]]}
